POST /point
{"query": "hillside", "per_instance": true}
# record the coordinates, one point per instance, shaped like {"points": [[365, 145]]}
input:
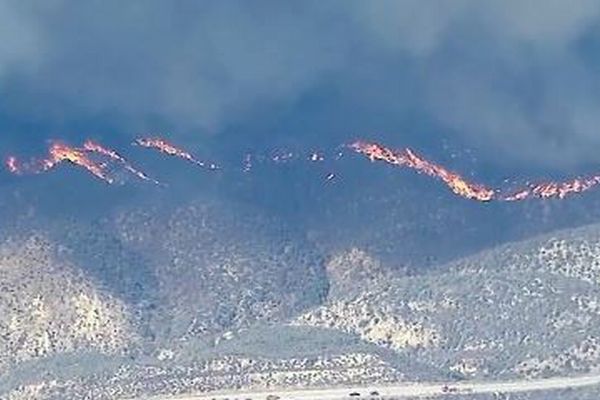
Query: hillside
{"points": [[49, 306], [219, 267], [526, 309], [227, 300], [127, 285]]}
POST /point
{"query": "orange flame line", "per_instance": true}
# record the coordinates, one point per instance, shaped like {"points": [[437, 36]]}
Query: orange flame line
{"points": [[61, 152], [94, 147], [460, 186], [408, 158], [167, 148]]}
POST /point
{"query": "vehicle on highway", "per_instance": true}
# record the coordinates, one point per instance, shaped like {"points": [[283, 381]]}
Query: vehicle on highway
{"points": [[449, 389]]}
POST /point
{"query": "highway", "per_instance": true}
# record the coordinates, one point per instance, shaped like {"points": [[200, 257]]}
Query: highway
{"points": [[407, 389]]}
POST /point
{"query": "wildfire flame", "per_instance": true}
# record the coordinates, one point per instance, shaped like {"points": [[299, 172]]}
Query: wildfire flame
{"points": [[98, 160], [408, 158], [94, 147], [59, 153], [460, 186], [167, 148], [555, 189]]}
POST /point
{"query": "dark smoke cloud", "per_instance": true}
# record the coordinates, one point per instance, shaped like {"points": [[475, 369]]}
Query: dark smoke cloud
{"points": [[516, 77]]}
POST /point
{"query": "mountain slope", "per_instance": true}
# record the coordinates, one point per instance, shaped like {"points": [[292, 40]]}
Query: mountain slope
{"points": [[48, 306], [239, 301], [527, 309], [220, 266], [148, 277]]}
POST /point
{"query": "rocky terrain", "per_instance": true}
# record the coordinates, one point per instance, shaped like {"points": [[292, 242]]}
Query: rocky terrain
{"points": [[206, 295], [494, 322], [49, 306]]}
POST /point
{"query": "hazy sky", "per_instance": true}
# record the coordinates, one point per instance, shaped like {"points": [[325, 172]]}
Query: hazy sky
{"points": [[516, 80]]}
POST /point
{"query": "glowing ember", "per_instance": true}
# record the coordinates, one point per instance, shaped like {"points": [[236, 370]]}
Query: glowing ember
{"points": [[408, 158], [169, 149], [283, 157], [558, 190], [13, 165], [518, 196], [316, 157]]}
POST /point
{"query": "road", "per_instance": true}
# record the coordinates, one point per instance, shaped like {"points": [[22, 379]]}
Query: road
{"points": [[403, 390]]}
